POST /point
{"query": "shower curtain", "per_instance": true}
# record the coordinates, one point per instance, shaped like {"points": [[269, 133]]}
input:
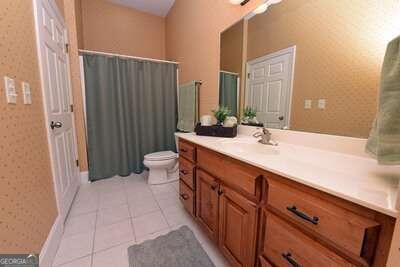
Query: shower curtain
{"points": [[228, 97], [131, 111]]}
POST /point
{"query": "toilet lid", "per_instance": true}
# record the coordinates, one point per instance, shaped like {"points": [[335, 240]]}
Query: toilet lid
{"points": [[163, 155]]}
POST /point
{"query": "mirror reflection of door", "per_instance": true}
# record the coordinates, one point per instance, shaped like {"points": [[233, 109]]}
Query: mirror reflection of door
{"points": [[269, 87], [229, 86]]}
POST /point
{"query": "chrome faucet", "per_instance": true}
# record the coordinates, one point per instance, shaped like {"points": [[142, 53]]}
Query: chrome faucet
{"points": [[265, 137]]}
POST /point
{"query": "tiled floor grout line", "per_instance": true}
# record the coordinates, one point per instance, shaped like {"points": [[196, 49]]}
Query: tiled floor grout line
{"points": [[162, 211], [130, 214], [70, 261], [171, 189], [94, 233]]}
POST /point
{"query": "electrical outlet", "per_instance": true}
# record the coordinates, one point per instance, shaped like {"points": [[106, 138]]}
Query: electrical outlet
{"points": [[308, 104], [26, 91], [11, 93], [321, 103]]}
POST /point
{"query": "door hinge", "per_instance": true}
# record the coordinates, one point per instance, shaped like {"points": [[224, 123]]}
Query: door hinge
{"points": [[77, 163], [248, 75], [66, 48], [72, 108]]}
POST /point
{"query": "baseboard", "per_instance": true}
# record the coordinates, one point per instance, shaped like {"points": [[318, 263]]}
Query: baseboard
{"points": [[84, 177], [50, 247]]}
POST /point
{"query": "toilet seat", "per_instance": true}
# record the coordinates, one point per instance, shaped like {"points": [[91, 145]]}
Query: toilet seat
{"points": [[159, 156]]}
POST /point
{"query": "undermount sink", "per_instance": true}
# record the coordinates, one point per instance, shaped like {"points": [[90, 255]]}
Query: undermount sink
{"points": [[247, 146]]}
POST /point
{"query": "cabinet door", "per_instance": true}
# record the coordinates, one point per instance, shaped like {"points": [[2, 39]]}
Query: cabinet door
{"points": [[237, 230], [207, 203]]}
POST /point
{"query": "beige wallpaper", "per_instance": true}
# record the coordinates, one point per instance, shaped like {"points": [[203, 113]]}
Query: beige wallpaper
{"points": [[28, 207], [193, 38], [340, 49], [232, 48], [79, 22], [118, 29]]}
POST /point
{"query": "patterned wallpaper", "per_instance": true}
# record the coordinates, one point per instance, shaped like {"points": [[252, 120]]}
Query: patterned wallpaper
{"points": [[117, 29], [340, 49], [28, 207], [193, 31]]}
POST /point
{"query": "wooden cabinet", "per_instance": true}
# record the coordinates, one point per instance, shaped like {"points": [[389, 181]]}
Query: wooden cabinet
{"points": [[228, 218], [284, 246], [187, 150], [207, 203], [186, 172], [186, 195], [237, 227], [258, 218], [242, 177], [338, 224], [263, 262]]}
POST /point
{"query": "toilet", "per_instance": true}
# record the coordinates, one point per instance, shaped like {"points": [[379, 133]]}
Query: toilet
{"points": [[163, 167]]}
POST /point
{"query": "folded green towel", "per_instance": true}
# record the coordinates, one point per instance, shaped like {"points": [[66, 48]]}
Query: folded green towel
{"points": [[384, 139], [187, 107]]}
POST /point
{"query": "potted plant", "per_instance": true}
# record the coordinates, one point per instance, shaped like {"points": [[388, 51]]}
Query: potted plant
{"points": [[250, 115], [221, 113]]}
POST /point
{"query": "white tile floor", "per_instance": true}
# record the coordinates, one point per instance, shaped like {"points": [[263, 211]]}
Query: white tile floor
{"points": [[110, 215]]}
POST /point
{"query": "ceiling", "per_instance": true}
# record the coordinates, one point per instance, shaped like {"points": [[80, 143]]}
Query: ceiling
{"points": [[155, 7]]}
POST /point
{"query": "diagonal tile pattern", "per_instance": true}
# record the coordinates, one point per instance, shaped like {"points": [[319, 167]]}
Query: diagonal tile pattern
{"points": [[110, 215]]}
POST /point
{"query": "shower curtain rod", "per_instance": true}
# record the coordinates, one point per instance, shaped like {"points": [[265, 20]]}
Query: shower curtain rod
{"points": [[83, 51], [228, 72]]}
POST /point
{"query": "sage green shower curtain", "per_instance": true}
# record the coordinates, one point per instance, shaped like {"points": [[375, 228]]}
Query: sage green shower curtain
{"points": [[131, 111], [228, 91]]}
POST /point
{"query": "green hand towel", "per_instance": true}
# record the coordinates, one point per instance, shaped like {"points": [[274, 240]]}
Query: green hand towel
{"points": [[384, 139], [187, 107]]}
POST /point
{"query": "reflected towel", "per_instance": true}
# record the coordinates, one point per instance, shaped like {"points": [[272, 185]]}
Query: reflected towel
{"points": [[384, 139], [187, 107]]}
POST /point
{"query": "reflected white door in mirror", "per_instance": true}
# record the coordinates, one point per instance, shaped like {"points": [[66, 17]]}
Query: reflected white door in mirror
{"points": [[269, 87]]}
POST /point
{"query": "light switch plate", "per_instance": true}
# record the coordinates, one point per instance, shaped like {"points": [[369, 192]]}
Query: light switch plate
{"points": [[321, 103], [26, 91], [11, 93], [308, 104]]}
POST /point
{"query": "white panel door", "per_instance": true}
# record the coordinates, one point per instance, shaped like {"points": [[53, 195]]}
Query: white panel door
{"points": [[268, 87], [54, 67]]}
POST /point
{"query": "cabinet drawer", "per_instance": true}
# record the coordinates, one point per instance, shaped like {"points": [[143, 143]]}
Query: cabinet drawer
{"points": [[187, 197], [186, 172], [187, 150], [343, 227], [242, 177], [286, 246]]}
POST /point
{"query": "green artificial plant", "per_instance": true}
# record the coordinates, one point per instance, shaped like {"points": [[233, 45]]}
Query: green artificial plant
{"points": [[221, 113]]}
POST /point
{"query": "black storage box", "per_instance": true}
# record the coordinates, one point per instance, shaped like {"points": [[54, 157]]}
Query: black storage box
{"points": [[216, 130]]}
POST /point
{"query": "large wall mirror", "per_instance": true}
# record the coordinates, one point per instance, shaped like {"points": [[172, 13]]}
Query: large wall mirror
{"points": [[309, 65]]}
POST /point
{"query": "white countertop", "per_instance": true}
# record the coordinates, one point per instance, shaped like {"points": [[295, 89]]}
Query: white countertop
{"points": [[356, 179]]}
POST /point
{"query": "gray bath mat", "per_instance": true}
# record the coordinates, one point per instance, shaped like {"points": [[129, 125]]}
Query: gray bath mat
{"points": [[178, 248]]}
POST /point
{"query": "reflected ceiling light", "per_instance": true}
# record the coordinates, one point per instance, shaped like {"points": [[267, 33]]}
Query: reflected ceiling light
{"points": [[263, 7]]}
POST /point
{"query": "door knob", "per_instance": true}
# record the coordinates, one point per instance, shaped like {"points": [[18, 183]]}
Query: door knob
{"points": [[281, 118], [55, 125]]}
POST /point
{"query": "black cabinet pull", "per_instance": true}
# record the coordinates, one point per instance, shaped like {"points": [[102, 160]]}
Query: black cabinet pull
{"points": [[184, 196], [288, 257], [314, 220], [214, 186]]}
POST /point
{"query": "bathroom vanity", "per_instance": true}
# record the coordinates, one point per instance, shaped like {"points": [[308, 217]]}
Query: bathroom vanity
{"points": [[287, 205]]}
